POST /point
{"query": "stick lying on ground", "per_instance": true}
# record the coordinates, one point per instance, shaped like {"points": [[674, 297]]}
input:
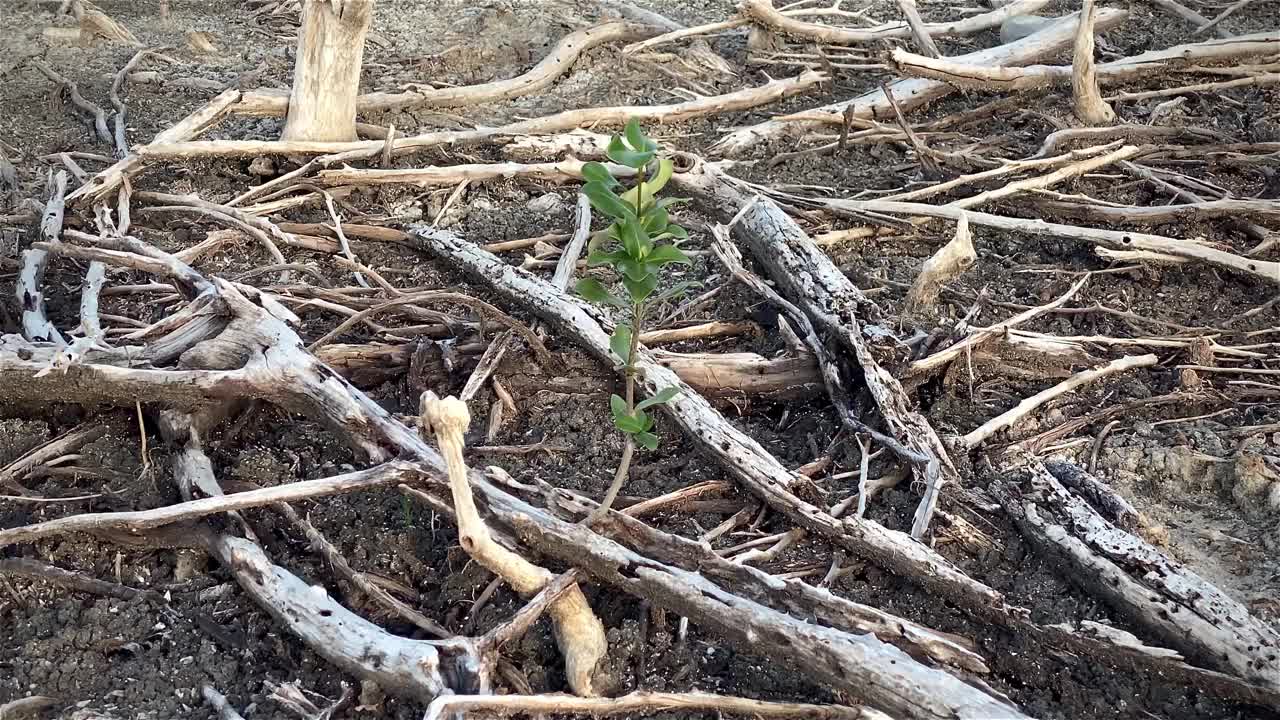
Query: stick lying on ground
{"points": [[1265, 270], [579, 632], [35, 321], [641, 702], [1028, 405], [100, 186], [741, 455], [1186, 611], [959, 72], [744, 99], [837, 309], [282, 372], [912, 93], [562, 56], [763, 12]]}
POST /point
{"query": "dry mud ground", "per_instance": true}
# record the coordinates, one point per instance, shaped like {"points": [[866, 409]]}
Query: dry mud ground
{"points": [[1192, 466]]}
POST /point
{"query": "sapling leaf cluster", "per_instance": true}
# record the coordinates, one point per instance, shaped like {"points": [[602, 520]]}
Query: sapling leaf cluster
{"points": [[638, 245]]}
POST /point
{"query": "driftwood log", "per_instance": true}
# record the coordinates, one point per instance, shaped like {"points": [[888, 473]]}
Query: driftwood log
{"points": [[1180, 607]]}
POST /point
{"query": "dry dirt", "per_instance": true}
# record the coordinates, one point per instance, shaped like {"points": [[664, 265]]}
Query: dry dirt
{"points": [[132, 659]]}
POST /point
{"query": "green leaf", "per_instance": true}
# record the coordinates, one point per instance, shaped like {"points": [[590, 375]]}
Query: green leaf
{"points": [[661, 397], [612, 259], [594, 291], [669, 201], [618, 406], [620, 343], [677, 232], [665, 168], [635, 240], [603, 199], [623, 155], [629, 424], [647, 440], [650, 187], [636, 137], [640, 289], [656, 219], [636, 271], [597, 173], [666, 254]]}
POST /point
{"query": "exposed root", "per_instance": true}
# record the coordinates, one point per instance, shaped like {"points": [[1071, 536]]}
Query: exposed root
{"points": [[579, 632]]}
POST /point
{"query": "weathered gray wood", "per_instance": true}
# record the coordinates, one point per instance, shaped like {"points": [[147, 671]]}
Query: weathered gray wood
{"points": [[750, 464], [807, 277], [281, 371], [326, 73], [1182, 608]]}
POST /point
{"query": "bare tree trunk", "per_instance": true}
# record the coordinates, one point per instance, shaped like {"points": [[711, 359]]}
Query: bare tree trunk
{"points": [[326, 75]]}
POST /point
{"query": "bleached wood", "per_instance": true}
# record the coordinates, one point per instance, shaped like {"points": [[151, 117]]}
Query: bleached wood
{"points": [[1265, 270], [943, 266], [912, 93], [753, 466], [1154, 591], [1003, 76], [763, 11], [1087, 99], [326, 72]]}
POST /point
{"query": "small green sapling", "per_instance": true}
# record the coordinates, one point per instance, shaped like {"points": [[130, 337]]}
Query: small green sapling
{"points": [[637, 246]]}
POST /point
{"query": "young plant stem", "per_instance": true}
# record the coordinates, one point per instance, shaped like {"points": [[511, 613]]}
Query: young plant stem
{"points": [[629, 447]]}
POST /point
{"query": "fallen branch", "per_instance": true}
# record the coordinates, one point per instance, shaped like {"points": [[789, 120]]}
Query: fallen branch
{"points": [[579, 633], [925, 367], [122, 111], [93, 110], [638, 702], [978, 435], [219, 703], [1182, 608], [69, 442], [35, 320], [562, 56], [763, 12], [137, 521], [791, 596], [1001, 76], [1267, 271], [357, 646], [436, 176], [101, 186], [744, 99], [1075, 169], [836, 307], [912, 93], [742, 456], [1160, 214]]}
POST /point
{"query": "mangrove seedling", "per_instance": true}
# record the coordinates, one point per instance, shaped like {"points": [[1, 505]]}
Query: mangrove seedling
{"points": [[637, 245]]}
